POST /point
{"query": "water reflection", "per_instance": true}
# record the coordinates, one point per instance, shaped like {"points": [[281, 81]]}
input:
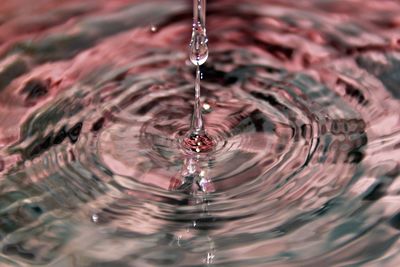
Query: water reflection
{"points": [[300, 98]]}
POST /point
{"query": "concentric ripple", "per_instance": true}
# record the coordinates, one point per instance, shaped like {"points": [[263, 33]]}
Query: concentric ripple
{"points": [[300, 98]]}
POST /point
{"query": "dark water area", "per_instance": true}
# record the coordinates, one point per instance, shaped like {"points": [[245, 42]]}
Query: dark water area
{"points": [[301, 100]]}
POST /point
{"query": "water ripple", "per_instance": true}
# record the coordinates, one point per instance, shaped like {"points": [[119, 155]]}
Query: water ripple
{"points": [[301, 100]]}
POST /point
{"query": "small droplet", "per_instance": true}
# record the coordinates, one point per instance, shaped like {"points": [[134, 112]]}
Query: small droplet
{"points": [[95, 218], [198, 47], [153, 28]]}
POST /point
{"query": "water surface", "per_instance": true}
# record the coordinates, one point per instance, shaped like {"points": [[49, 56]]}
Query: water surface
{"points": [[300, 97]]}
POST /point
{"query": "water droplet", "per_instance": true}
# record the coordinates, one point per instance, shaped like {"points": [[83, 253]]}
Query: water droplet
{"points": [[198, 44], [95, 218], [153, 28], [198, 47]]}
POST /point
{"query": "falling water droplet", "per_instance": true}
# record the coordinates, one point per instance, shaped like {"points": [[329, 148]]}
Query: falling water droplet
{"points": [[198, 44]]}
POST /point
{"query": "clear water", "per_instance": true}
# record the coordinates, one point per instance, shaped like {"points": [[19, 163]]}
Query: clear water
{"points": [[198, 47], [300, 97], [197, 139]]}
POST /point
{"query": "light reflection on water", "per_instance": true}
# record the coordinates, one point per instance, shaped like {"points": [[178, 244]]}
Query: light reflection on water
{"points": [[301, 98]]}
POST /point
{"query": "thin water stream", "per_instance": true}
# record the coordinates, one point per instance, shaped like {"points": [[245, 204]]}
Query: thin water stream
{"points": [[289, 156], [197, 139]]}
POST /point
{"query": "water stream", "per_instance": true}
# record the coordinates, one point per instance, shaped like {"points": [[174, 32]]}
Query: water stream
{"points": [[291, 158], [197, 139]]}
